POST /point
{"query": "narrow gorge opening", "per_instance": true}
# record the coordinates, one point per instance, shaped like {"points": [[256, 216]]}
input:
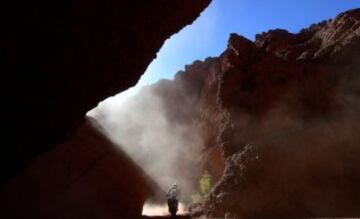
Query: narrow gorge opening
{"points": [[167, 124], [157, 122]]}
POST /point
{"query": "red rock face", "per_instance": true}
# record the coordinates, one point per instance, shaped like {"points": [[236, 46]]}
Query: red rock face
{"points": [[288, 102], [279, 121], [180, 101], [60, 58], [194, 90], [86, 177]]}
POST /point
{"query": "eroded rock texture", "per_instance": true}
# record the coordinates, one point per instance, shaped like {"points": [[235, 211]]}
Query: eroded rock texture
{"points": [[60, 58], [157, 129], [289, 107], [86, 177], [191, 98], [190, 101], [283, 112]]}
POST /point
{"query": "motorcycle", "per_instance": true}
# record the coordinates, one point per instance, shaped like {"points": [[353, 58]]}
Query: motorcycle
{"points": [[173, 206]]}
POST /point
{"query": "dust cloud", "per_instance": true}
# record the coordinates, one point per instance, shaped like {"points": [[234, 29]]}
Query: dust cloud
{"points": [[150, 209], [162, 146]]}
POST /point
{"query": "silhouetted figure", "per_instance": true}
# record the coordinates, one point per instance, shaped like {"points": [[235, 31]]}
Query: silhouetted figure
{"points": [[172, 194]]}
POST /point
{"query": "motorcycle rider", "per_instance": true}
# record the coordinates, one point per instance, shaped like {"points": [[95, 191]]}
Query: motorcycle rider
{"points": [[172, 195]]}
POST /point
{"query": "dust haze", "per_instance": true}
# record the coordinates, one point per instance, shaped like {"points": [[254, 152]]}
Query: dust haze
{"points": [[164, 148], [300, 146]]}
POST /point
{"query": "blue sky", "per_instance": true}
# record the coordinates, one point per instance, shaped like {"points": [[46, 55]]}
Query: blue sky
{"points": [[208, 35]]}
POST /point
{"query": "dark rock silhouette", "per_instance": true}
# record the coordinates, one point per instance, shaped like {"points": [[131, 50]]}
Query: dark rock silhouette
{"points": [[59, 59], [86, 177]]}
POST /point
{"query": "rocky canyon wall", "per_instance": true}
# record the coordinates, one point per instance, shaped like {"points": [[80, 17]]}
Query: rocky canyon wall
{"points": [[289, 132], [60, 58], [87, 177], [278, 120], [275, 121]]}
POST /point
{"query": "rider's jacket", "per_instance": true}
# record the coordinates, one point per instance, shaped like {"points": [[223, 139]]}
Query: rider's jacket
{"points": [[173, 192]]}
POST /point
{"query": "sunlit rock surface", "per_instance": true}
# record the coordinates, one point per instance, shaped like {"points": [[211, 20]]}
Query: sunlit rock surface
{"points": [[289, 105], [279, 121]]}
